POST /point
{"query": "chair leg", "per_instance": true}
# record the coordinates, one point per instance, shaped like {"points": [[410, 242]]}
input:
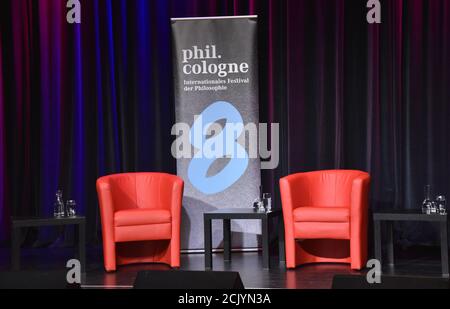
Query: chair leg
{"points": [[175, 255], [109, 256], [358, 255], [291, 260]]}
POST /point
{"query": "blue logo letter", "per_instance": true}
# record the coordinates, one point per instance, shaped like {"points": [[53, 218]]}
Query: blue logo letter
{"points": [[225, 142]]}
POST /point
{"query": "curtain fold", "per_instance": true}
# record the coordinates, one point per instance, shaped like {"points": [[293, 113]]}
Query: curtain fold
{"points": [[3, 210], [372, 97]]}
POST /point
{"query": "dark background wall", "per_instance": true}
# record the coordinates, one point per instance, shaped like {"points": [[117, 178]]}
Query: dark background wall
{"points": [[81, 101]]}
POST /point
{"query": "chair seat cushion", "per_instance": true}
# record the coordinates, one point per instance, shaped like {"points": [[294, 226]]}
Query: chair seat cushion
{"points": [[134, 217], [322, 230], [322, 214]]}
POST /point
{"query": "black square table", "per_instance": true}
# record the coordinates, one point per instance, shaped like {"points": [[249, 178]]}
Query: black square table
{"points": [[242, 214], [391, 216], [19, 223]]}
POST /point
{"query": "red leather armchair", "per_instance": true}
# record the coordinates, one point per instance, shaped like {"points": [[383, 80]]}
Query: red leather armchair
{"points": [[325, 215], [141, 217]]}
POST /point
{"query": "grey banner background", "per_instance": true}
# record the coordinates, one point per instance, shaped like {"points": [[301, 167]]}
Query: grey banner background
{"points": [[236, 41]]}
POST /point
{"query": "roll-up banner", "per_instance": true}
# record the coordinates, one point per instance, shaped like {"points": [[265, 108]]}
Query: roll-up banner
{"points": [[216, 101]]}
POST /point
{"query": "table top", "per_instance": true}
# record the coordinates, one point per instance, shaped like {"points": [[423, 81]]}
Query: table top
{"points": [[240, 213], [392, 214], [46, 221]]}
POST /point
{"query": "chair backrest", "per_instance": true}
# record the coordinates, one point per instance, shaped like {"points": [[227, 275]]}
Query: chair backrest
{"points": [[330, 188], [141, 190]]}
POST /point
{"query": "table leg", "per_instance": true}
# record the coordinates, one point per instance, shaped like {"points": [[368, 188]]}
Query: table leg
{"points": [[390, 242], [281, 243], [208, 243], [82, 245], [227, 239], [15, 249], [444, 249], [265, 242], [377, 234]]}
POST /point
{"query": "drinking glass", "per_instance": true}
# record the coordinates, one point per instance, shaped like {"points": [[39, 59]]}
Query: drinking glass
{"points": [[71, 208], [261, 207], [427, 204], [256, 203], [267, 198], [441, 205], [58, 206]]}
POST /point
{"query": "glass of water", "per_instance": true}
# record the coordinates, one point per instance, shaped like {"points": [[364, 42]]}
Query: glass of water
{"points": [[71, 206], [58, 208], [441, 205], [267, 198]]}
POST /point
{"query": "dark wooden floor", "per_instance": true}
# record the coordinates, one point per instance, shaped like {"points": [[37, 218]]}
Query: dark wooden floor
{"points": [[414, 261]]}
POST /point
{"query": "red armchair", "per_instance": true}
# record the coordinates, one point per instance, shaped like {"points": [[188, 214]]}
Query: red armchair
{"points": [[325, 215], [141, 217]]}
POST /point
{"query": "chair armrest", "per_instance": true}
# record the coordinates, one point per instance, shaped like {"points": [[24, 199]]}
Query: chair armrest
{"points": [[177, 198], [176, 204], [359, 202], [294, 191], [360, 193], [106, 208]]}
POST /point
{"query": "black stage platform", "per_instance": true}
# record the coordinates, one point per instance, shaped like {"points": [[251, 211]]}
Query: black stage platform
{"points": [[415, 261]]}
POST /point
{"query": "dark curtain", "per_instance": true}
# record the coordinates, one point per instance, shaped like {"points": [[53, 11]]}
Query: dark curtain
{"points": [[372, 97], [81, 101]]}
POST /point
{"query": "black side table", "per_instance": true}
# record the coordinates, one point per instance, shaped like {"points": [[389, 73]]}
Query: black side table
{"points": [[242, 214], [391, 216], [19, 223]]}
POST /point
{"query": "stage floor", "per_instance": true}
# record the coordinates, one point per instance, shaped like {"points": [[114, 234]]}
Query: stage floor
{"points": [[420, 262]]}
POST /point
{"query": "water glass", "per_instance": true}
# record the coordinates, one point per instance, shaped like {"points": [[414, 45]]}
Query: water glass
{"points": [[267, 198], [58, 207], [427, 204], [258, 205], [71, 208], [441, 205]]}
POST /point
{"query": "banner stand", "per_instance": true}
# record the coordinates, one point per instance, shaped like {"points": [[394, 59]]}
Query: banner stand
{"points": [[215, 67]]}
